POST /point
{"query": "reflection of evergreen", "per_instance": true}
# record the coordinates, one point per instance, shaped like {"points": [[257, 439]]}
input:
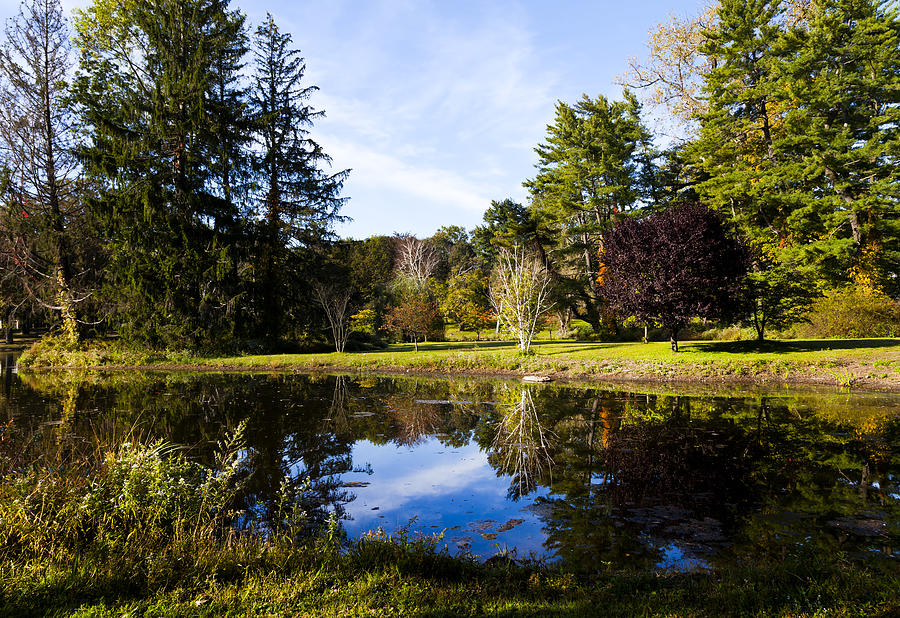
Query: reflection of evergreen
{"points": [[294, 440]]}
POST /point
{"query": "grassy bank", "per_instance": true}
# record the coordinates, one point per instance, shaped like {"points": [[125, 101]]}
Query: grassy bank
{"points": [[140, 530], [404, 581], [847, 363]]}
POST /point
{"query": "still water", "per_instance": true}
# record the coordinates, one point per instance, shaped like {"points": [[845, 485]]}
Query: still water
{"points": [[631, 478]]}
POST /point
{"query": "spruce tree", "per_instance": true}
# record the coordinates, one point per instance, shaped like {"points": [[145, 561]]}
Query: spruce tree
{"points": [[298, 201], [145, 73], [590, 169]]}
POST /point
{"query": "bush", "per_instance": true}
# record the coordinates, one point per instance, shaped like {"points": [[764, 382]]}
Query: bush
{"points": [[140, 498], [853, 313], [726, 333]]}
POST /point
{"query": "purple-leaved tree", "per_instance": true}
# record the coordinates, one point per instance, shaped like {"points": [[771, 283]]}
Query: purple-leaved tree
{"points": [[672, 266]]}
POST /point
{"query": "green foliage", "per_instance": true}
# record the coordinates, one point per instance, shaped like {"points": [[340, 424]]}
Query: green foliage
{"points": [[506, 224], [367, 267], [456, 252], [364, 321], [299, 201], [591, 169], [467, 302], [140, 498], [779, 295], [794, 145], [844, 74], [171, 274], [852, 312], [214, 205]]}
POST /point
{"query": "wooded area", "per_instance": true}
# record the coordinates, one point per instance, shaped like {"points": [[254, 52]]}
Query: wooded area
{"points": [[160, 182]]}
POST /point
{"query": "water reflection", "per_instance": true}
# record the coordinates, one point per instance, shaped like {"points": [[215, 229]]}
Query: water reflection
{"points": [[521, 447], [599, 479]]}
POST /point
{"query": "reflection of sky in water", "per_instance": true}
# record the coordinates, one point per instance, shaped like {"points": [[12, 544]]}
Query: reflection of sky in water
{"points": [[677, 559], [444, 488]]}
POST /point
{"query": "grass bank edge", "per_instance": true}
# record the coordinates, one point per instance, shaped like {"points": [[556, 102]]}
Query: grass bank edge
{"points": [[845, 363]]}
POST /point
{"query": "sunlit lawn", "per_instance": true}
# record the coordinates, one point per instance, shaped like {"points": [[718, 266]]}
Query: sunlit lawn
{"points": [[690, 352]]}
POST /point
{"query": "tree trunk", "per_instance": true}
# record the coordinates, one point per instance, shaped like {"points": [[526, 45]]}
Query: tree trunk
{"points": [[673, 339]]}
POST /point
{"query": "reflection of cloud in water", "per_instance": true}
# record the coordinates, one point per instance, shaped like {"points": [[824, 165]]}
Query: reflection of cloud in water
{"points": [[396, 483], [680, 559], [444, 489]]}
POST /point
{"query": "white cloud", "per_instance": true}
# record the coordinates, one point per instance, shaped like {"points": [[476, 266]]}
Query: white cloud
{"points": [[438, 112], [375, 172]]}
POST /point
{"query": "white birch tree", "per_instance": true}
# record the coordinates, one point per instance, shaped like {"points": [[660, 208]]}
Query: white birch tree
{"points": [[520, 290], [335, 301], [416, 259]]}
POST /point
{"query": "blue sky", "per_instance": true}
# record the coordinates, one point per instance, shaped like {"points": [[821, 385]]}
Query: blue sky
{"points": [[436, 105]]}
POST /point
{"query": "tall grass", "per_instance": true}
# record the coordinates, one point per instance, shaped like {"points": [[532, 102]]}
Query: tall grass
{"points": [[120, 506]]}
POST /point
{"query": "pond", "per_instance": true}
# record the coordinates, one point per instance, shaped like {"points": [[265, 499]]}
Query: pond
{"points": [[630, 477]]}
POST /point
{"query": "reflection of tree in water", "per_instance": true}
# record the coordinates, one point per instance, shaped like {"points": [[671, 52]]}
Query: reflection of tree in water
{"points": [[578, 514], [303, 444], [414, 421], [630, 473], [707, 474], [521, 446], [339, 411], [840, 487], [637, 473]]}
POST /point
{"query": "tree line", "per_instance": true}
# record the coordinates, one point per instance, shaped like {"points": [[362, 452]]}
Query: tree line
{"points": [[171, 191], [158, 176]]}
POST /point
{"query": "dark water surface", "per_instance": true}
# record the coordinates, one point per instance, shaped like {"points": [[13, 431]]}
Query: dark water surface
{"points": [[596, 478]]}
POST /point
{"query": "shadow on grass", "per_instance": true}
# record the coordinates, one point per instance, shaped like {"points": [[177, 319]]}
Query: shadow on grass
{"points": [[586, 347], [784, 347], [450, 345]]}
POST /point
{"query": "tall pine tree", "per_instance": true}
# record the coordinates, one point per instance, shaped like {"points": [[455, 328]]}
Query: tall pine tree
{"points": [[298, 201], [842, 86], [590, 168], [146, 71]]}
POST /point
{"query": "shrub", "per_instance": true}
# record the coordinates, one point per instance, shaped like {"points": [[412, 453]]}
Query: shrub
{"points": [[851, 312], [140, 498]]}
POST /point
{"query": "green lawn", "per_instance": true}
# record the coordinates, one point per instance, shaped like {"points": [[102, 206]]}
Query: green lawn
{"points": [[874, 362]]}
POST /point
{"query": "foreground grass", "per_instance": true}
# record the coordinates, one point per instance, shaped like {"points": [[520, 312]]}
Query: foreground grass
{"points": [[387, 577], [857, 362]]}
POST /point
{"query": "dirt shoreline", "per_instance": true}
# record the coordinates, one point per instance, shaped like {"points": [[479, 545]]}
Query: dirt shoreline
{"points": [[635, 373]]}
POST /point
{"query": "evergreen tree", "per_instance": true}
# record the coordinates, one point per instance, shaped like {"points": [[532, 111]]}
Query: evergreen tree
{"points": [[736, 148], [590, 170], [298, 200], [797, 144], [506, 224], [843, 89], [145, 72], [230, 127], [746, 158]]}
